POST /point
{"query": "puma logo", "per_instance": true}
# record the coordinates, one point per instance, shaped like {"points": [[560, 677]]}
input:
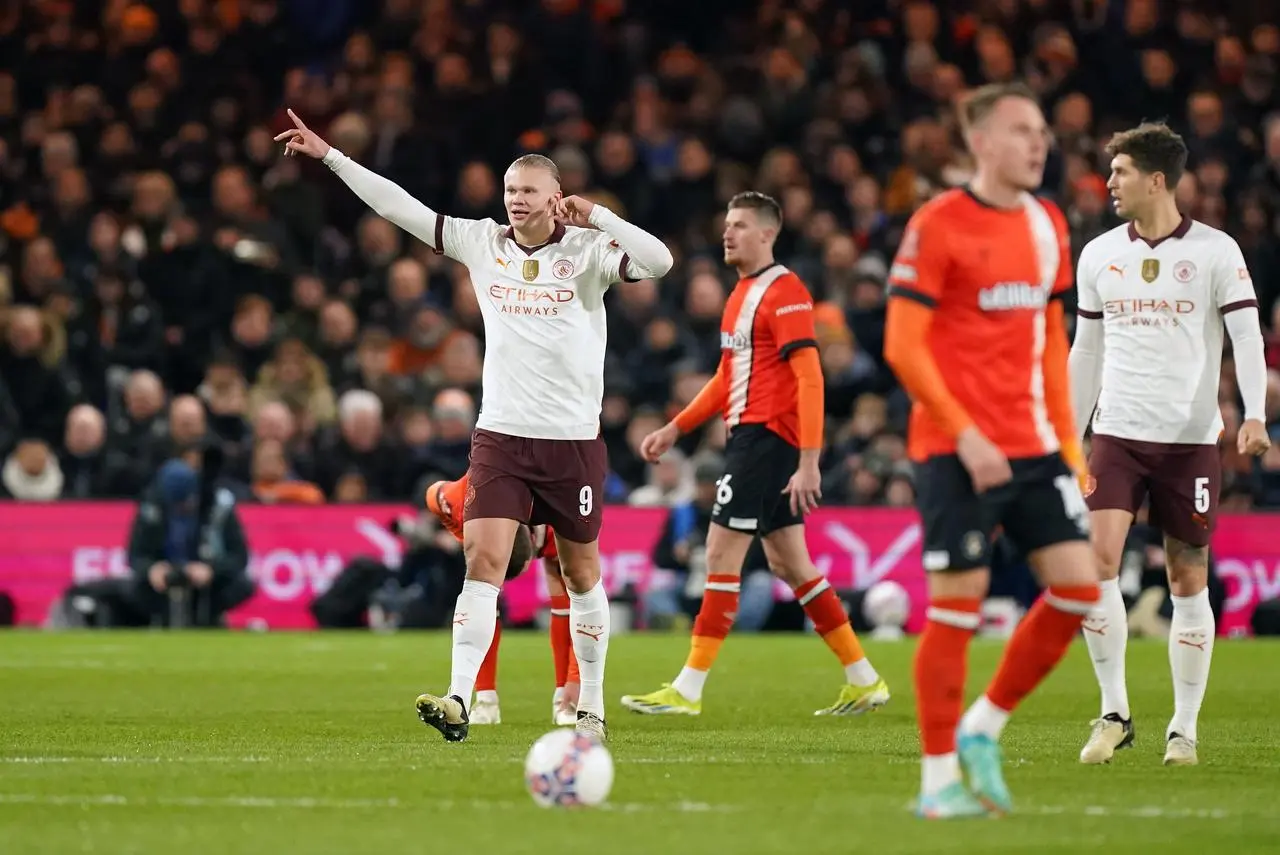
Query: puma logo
{"points": [[1096, 629], [594, 636], [500, 262], [460, 619], [1197, 645], [1118, 269]]}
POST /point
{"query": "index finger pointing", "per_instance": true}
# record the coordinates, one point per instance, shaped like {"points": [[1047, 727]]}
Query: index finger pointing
{"points": [[292, 115]]}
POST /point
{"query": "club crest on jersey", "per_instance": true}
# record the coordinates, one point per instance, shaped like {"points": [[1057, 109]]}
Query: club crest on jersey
{"points": [[1184, 271], [1150, 269], [562, 269], [529, 269]]}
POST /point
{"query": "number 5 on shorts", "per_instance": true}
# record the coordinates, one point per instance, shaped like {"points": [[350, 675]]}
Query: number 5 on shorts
{"points": [[585, 500], [1203, 499]]}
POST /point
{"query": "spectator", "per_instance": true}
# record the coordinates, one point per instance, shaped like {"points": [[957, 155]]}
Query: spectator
{"points": [[273, 482], [187, 536], [296, 377], [31, 473], [357, 454], [83, 462], [29, 370]]}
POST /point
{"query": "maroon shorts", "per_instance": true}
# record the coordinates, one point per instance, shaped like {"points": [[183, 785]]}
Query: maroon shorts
{"points": [[1182, 481], [556, 482]]}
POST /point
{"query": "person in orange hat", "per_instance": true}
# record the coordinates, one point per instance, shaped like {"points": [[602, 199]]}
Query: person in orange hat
{"points": [[446, 499]]}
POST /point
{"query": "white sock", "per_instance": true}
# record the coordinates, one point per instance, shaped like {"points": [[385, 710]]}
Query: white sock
{"points": [[474, 619], [488, 696], [1191, 634], [589, 623], [689, 683], [1106, 633], [861, 673], [938, 771], [984, 717]]}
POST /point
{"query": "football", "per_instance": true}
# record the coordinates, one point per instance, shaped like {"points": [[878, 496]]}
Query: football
{"points": [[886, 604], [568, 769]]}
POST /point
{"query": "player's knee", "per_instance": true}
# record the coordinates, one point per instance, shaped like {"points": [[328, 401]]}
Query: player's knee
{"points": [[487, 560], [1108, 556], [959, 584], [580, 566], [1187, 566]]}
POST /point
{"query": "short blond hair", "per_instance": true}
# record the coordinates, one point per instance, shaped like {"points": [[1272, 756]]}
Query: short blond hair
{"points": [[536, 161], [981, 102]]}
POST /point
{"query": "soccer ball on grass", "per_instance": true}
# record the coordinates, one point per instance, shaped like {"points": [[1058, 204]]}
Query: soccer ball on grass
{"points": [[568, 769]]}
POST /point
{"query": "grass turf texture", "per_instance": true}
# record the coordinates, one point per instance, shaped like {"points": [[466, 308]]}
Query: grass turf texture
{"points": [[218, 743]]}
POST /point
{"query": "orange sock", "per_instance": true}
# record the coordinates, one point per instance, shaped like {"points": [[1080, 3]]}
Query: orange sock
{"points": [[487, 678], [715, 618], [561, 641], [940, 666], [832, 623], [1039, 643], [573, 676]]}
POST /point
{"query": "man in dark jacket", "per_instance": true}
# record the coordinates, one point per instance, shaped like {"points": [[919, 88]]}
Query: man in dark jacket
{"points": [[188, 539]]}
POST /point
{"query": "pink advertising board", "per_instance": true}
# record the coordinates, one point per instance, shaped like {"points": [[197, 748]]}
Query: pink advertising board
{"points": [[297, 551]]}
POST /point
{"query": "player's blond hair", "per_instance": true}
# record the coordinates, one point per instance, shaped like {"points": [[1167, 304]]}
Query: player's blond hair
{"points": [[981, 102], [1153, 147], [536, 161]]}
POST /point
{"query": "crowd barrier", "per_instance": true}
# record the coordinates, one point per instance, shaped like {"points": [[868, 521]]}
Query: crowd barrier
{"points": [[297, 551]]}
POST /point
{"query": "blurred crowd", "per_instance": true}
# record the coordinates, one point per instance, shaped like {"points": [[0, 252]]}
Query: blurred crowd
{"points": [[168, 281]]}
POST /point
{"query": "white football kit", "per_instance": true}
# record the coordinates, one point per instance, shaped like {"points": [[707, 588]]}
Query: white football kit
{"points": [[1148, 348], [543, 307]]}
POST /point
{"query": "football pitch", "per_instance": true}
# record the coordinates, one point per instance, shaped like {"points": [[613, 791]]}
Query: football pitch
{"points": [[308, 743]]}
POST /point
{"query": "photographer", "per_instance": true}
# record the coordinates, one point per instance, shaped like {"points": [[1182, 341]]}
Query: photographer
{"points": [[187, 549]]}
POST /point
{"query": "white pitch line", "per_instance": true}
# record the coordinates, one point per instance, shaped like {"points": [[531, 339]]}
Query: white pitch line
{"points": [[112, 800], [1141, 812], [621, 758]]}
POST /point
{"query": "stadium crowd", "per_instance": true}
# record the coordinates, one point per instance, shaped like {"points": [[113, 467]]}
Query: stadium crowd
{"points": [[168, 280]]}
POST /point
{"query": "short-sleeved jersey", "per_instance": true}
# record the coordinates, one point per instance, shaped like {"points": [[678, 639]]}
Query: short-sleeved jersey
{"points": [[1161, 304], [544, 322], [768, 317], [989, 274]]}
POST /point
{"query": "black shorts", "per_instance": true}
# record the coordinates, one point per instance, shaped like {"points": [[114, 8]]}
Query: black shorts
{"points": [[757, 466], [1041, 506]]}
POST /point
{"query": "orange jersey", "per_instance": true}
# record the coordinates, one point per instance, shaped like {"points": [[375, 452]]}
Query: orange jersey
{"points": [[975, 329], [767, 318], [447, 500]]}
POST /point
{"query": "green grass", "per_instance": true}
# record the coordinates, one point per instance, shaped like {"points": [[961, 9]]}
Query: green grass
{"points": [[193, 743]]}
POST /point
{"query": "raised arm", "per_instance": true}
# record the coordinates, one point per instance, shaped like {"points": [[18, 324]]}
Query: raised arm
{"points": [[649, 257], [387, 199], [636, 253]]}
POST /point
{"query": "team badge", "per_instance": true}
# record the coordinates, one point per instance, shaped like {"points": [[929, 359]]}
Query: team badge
{"points": [[973, 545], [562, 269], [529, 269], [1150, 269], [1090, 485], [1184, 271], [471, 495]]}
